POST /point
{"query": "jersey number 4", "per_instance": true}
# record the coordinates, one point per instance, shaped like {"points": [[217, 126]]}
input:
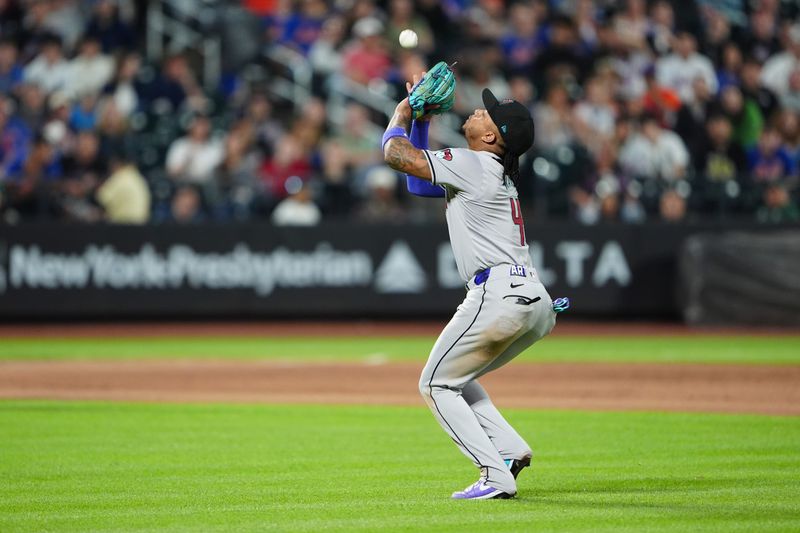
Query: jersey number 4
{"points": [[516, 216]]}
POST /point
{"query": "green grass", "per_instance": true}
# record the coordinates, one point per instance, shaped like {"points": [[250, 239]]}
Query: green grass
{"points": [[711, 349], [140, 467]]}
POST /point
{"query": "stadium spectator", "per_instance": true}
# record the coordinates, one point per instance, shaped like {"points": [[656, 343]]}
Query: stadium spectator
{"points": [[85, 163], [553, 119], [586, 16], [691, 119], [299, 30], [717, 33], [632, 25], [480, 74], [381, 204], [768, 161], [90, 70], [15, 137], [107, 26], [401, 17], [11, 14], [32, 105], [267, 130], [49, 70], [357, 140], [672, 206], [124, 195], [679, 69], [367, 58], [124, 89], [791, 98], [584, 206], [26, 192], [186, 206], [298, 209], [654, 153], [335, 173], [288, 161], [82, 171], [325, 54], [777, 205], [718, 159], [544, 54], [664, 102], [788, 124], [560, 61], [172, 86], [595, 116], [238, 172], [195, 157], [746, 117], [661, 29], [752, 88], [83, 115], [728, 71], [761, 38], [720, 168], [778, 68], [11, 73], [64, 18], [522, 43]]}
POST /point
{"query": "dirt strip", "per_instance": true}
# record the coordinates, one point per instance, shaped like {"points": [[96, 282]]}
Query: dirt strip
{"points": [[566, 326], [594, 386]]}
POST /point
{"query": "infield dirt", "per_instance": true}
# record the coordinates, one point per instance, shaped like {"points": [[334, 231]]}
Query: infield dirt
{"points": [[592, 386]]}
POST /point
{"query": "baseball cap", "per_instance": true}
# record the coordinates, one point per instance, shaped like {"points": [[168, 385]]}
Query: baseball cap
{"points": [[514, 122]]}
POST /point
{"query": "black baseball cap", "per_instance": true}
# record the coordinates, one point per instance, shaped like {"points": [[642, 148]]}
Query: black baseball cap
{"points": [[514, 122]]}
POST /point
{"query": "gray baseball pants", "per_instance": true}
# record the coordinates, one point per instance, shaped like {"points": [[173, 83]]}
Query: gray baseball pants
{"points": [[497, 321]]}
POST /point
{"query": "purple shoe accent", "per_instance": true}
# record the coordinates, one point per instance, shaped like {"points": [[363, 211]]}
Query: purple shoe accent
{"points": [[480, 491]]}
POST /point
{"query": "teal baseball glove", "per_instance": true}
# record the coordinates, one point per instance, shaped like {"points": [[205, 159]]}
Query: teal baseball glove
{"points": [[434, 93]]}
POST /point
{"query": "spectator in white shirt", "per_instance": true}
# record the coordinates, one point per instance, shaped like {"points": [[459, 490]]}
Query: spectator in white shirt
{"points": [[91, 70], [776, 71], [679, 69], [595, 116], [49, 70], [299, 208], [654, 153], [195, 157]]}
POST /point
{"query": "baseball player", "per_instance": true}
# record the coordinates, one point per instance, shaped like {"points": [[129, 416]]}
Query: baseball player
{"points": [[506, 309]]}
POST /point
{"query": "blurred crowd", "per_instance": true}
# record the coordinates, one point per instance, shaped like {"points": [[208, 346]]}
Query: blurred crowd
{"points": [[644, 110]]}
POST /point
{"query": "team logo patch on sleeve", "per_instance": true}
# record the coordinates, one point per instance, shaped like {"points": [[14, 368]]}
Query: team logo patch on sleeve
{"points": [[445, 154]]}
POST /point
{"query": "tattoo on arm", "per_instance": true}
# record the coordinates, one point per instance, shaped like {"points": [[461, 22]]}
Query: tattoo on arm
{"points": [[402, 156]]}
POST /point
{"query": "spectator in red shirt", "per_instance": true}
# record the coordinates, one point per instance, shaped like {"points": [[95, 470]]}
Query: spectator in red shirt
{"points": [[289, 160], [367, 58]]}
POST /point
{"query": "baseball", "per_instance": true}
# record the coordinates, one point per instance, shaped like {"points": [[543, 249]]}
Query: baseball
{"points": [[408, 39]]}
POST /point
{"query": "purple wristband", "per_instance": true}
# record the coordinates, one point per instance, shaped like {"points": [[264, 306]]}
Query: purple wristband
{"points": [[396, 131]]}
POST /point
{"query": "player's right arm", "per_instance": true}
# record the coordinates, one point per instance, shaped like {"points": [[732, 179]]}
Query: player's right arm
{"points": [[398, 152]]}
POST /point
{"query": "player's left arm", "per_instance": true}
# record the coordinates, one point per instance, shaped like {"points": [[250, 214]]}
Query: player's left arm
{"points": [[398, 152]]}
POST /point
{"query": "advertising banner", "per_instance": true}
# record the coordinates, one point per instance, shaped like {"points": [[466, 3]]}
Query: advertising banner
{"points": [[336, 270]]}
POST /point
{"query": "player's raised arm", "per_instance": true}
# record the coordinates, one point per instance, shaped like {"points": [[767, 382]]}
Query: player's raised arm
{"points": [[398, 152]]}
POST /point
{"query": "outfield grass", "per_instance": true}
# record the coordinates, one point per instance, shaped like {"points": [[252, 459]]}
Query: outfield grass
{"points": [[128, 467], [711, 349]]}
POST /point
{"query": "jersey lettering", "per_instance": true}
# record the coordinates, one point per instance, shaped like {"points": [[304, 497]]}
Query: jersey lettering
{"points": [[516, 216]]}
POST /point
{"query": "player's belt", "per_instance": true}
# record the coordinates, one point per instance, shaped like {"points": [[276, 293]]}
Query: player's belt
{"points": [[515, 270]]}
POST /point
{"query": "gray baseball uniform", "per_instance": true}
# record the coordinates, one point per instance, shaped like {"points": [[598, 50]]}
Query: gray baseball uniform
{"points": [[505, 311]]}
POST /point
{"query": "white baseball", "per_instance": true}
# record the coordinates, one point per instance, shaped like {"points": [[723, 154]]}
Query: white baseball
{"points": [[408, 39]]}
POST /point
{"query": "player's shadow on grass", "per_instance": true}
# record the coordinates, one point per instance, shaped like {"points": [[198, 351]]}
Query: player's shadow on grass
{"points": [[645, 485], [613, 493]]}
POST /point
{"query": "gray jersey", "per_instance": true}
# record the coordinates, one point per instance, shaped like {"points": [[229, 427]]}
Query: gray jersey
{"points": [[483, 212]]}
